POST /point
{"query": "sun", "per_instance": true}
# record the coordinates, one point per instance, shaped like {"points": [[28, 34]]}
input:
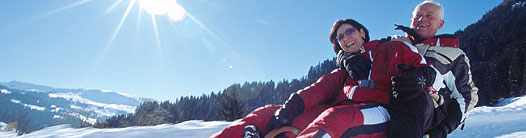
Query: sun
{"points": [[175, 11]]}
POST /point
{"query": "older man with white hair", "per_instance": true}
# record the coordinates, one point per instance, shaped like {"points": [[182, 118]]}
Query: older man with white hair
{"points": [[448, 107]]}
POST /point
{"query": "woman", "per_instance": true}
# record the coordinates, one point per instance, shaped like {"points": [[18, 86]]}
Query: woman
{"points": [[358, 106]]}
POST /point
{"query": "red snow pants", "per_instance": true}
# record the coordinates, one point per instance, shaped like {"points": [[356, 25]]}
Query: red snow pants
{"points": [[357, 120]]}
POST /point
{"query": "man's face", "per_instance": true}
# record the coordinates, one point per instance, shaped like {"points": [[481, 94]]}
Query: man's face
{"points": [[426, 21]]}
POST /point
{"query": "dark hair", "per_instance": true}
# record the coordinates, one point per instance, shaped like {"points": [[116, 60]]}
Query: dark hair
{"points": [[338, 24]]}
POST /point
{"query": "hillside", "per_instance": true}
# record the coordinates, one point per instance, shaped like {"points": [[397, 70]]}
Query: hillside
{"points": [[35, 107], [496, 45]]}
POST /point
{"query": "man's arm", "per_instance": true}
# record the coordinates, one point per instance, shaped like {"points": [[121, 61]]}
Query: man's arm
{"points": [[464, 91], [460, 86]]}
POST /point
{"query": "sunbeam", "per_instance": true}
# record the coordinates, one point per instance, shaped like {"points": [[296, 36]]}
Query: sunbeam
{"points": [[78, 3], [206, 29], [161, 59], [154, 23], [112, 7], [138, 25], [186, 44], [106, 48]]}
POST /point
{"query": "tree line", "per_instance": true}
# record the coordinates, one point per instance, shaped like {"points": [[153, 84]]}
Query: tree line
{"points": [[230, 104]]}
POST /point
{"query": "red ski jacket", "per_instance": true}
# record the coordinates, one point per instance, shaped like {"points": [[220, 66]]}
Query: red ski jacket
{"points": [[385, 57]]}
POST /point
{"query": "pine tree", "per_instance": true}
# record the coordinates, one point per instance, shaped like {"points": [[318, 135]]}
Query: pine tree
{"points": [[232, 106]]}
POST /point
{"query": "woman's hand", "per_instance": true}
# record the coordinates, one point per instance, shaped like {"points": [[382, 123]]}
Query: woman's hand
{"points": [[356, 65]]}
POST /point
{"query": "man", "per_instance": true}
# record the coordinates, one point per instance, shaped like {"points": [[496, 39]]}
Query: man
{"points": [[451, 105]]}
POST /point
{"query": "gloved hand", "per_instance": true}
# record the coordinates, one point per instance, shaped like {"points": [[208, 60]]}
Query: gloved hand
{"points": [[411, 33], [284, 115], [413, 81], [277, 121], [356, 65], [435, 134]]}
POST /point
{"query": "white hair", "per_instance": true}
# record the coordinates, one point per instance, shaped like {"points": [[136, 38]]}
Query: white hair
{"points": [[440, 8]]}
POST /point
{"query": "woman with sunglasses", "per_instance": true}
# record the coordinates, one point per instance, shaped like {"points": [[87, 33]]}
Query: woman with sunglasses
{"points": [[348, 102]]}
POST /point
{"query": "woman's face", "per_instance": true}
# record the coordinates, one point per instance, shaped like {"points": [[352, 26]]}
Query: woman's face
{"points": [[349, 38]]}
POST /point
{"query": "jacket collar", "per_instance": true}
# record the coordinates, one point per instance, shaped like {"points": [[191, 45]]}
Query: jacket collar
{"points": [[444, 40]]}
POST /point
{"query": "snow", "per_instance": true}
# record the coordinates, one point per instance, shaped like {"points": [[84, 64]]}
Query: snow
{"points": [[519, 4], [84, 118], [505, 121], [57, 116], [4, 91], [77, 98], [34, 107], [188, 129], [514, 135], [100, 96], [15, 101], [75, 107], [3, 127]]}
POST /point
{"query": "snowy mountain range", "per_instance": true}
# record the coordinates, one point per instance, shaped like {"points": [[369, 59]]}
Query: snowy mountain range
{"points": [[503, 121], [45, 106]]}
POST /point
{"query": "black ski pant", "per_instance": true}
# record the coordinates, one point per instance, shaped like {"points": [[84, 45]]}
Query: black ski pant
{"points": [[411, 118]]}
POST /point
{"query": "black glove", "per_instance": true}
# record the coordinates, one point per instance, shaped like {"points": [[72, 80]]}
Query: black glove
{"points": [[284, 115], [436, 134], [411, 33], [450, 123], [413, 81], [277, 121], [386, 39], [356, 65]]}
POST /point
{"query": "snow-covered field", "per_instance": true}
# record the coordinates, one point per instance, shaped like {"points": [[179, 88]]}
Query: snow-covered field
{"points": [[188, 129], [508, 120]]}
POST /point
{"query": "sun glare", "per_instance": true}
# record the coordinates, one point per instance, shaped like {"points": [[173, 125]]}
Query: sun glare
{"points": [[175, 11]]}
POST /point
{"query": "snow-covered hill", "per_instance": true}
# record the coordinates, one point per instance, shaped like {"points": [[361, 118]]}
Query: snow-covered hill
{"points": [[505, 121], [508, 118], [100, 96], [45, 106]]}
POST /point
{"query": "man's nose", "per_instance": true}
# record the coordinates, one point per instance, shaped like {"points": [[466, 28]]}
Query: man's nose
{"points": [[420, 18]]}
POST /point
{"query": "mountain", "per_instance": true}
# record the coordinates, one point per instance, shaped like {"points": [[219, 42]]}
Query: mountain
{"points": [[35, 106], [496, 45]]}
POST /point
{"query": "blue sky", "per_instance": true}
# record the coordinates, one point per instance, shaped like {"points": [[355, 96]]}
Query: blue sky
{"points": [[68, 43]]}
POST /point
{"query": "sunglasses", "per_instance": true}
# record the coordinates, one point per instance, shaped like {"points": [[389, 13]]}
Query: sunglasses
{"points": [[347, 32]]}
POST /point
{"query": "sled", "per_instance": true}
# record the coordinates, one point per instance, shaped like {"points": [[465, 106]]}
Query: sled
{"points": [[284, 129]]}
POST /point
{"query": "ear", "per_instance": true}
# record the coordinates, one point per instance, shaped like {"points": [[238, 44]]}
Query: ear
{"points": [[441, 24], [411, 23], [362, 33]]}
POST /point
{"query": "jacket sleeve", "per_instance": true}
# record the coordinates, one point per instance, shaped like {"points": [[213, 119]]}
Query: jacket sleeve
{"points": [[450, 123], [464, 91], [303, 100], [410, 56], [459, 82], [325, 88]]}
